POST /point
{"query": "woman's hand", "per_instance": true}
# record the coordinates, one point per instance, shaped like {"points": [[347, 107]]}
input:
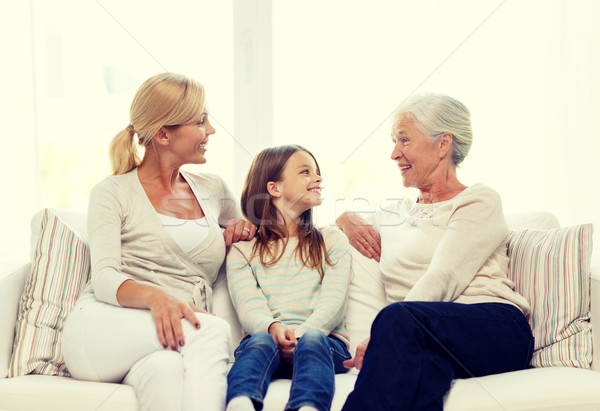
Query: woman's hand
{"points": [[166, 310], [285, 339], [238, 230], [357, 361], [361, 235]]}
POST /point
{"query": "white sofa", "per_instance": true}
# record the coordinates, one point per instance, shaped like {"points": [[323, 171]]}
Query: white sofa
{"points": [[551, 388]]}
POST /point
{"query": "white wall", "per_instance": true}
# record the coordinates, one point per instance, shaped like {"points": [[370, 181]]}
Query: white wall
{"points": [[544, 135], [19, 166], [529, 70]]}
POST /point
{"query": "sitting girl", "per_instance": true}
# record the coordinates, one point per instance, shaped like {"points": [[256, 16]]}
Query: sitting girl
{"points": [[289, 287]]}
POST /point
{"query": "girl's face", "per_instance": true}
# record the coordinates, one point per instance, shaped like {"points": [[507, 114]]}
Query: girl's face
{"points": [[300, 185]]}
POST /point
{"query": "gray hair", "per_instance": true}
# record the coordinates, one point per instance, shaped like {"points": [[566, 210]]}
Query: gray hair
{"points": [[435, 114]]}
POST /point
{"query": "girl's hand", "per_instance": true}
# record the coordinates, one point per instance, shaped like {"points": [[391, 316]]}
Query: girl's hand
{"points": [[285, 339], [361, 235], [167, 312], [238, 230], [357, 361]]}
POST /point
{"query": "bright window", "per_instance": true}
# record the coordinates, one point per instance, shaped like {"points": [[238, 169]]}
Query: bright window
{"points": [[90, 58], [340, 69]]}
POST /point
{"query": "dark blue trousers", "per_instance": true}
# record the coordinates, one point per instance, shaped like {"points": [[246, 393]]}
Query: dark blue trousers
{"points": [[417, 348]]}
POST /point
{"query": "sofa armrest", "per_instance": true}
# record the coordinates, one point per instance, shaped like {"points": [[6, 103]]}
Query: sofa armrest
{"points": [[12, 282], [595, 313]]}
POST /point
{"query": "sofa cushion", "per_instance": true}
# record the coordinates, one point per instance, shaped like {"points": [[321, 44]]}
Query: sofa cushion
{"points": [[11, 288], [43, 392], [223, 307], [72, 224], [47, 299], [552, 388], [538, 220], [366, 297], [551, 268], [544, 389]]}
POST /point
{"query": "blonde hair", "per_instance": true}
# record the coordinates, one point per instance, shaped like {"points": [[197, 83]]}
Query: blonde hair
{"points": [[166, 99], [436, 114]]}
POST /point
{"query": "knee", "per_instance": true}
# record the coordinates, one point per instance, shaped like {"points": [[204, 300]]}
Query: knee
{"points": [[406, 321], [214, 325], [165, 363], [396, 316], [165, 359], [157, 379], [396, 312], [262, 341], [312, 338]]}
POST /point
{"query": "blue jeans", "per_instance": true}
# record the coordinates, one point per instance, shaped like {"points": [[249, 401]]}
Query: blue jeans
{"points": [[316, 360], [417, 348]]}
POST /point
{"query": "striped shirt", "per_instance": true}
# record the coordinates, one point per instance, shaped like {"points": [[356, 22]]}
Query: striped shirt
{"points": [[289, 291]]}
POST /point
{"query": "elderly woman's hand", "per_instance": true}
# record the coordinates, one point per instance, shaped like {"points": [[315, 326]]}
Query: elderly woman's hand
{"points": [[359, 357], [238, 230], [361, 235]]}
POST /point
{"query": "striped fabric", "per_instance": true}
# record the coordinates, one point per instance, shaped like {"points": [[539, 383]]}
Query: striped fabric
{"points": [[59, 271], [552, 270], [290, 292]]}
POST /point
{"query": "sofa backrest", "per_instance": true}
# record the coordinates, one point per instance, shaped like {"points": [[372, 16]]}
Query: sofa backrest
{"points": [[366, 293], [11, 287]]}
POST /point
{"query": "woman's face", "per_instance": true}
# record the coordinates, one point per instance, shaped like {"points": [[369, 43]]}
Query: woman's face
{"points": [[417, 158], [188, 142]]}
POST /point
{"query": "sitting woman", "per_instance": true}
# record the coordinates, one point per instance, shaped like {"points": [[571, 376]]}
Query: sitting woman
{"points": [[453, 312], [156, 247]]}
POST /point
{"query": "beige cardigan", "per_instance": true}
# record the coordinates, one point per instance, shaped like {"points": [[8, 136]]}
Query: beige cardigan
{"points": [[128, 241]]}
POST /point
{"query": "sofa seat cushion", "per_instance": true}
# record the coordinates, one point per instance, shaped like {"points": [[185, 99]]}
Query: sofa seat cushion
{"points": [[543, 389], [279, 392], [52, 393], [549, 389]]}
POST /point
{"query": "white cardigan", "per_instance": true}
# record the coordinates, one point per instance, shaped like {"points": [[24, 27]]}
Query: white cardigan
{"points": [[454, 250], [128, 241]]}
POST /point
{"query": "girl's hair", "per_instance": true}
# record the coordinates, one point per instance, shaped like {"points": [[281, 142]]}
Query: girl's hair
{"points": [[166, 99], [257, 206], [436, 114]]}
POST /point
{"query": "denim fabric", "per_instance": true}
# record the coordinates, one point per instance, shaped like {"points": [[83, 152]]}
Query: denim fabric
{"points": [[417, 348], [316, 360]]}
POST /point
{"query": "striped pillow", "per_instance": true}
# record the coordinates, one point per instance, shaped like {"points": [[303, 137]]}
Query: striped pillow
{"points": [[59, 270], [552, 270]]}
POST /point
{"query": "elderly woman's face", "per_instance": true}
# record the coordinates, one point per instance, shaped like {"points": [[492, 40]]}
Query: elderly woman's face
{"points": [[417, 158]]}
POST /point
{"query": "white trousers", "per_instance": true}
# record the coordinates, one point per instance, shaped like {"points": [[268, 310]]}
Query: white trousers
{"points": [[103, 342]]}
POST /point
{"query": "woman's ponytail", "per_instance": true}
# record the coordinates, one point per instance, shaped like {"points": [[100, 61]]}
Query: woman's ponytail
{"points": [[123, 152]]}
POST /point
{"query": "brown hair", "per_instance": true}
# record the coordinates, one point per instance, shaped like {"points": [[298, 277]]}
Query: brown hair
{"points": [[166, 99], [258, 207]]}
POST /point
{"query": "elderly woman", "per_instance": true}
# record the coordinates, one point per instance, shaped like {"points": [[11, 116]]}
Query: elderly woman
{"points": [[156, 243], [452, 310]]}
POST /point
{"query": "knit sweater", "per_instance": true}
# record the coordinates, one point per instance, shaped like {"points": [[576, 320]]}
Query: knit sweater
{"points": [[290, 292], [128, 241], [454, 250]]}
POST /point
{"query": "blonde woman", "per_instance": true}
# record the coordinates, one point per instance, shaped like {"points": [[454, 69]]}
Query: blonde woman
{"points": [[156, 247]]}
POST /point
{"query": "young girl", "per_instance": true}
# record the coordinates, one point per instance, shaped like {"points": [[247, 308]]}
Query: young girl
{"points": [[289, 287]]}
